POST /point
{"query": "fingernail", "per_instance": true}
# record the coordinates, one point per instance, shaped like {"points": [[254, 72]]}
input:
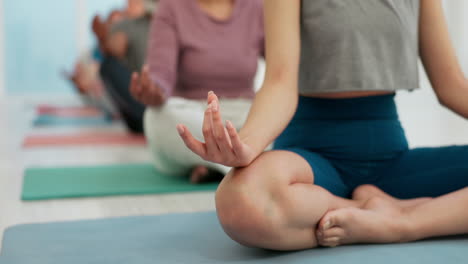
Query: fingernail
{"points": [[180, 129], [214, 106], [210, 92], [229, 124], [327, 225]]}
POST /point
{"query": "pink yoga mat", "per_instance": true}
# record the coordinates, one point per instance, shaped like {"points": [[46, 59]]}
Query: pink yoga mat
{"points": [[83, 139], [72, 111]]}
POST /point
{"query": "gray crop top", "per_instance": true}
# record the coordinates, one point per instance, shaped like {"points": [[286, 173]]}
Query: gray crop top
{"points": [[359, 45]]}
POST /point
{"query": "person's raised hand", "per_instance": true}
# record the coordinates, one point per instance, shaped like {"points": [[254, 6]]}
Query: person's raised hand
{"points": [[99, 27], [145, 90], [222, 142]]}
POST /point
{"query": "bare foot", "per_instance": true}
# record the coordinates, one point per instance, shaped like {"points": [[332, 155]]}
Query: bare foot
{"points": [[202, 174], [366, 192], [379, 221], [198, 173]]}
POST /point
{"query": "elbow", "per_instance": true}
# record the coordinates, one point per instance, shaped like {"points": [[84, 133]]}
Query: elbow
{"points": [[120, 52], [442, 99], [454, 101], [444, 94], [448, 93], [117, 45], [282, 80], [282, 76], [117, 51]]}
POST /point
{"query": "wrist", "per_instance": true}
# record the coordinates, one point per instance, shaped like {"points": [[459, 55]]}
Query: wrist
{"points": [[255, 144], [158, 103]]}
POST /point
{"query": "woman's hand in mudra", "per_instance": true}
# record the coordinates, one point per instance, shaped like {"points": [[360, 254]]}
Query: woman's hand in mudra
{"points": [[222, 142], [144, 90]]}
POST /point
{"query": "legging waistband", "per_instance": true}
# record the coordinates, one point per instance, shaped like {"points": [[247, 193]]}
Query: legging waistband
{"points": [[361, 108]]}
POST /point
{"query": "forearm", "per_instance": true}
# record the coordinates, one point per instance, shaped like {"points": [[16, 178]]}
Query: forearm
{"points": [[276, 102], [271, 111], [440, 60]]}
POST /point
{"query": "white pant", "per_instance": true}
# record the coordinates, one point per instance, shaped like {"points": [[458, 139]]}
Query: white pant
{"points": [[170, 155]]}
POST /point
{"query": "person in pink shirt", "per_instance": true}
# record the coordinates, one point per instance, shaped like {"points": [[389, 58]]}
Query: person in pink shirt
{"points": [[197, 46]]}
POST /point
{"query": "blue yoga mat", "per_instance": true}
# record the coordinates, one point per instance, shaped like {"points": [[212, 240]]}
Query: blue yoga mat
{"points": [[49, 120], [194, 238]]}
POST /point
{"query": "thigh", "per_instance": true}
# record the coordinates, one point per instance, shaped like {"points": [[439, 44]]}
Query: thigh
{"points": [[325, 175], [426, 172]]}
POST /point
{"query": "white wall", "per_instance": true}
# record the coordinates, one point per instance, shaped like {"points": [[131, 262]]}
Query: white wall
{"points": [[2, 48], [456, 11], [82, 27]]}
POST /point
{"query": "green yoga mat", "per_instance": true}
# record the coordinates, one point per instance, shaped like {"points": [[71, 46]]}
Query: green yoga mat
{"points": [[128, 179]]}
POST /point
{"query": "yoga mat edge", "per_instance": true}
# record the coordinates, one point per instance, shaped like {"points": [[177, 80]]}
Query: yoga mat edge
{"points": [[103, 180]]}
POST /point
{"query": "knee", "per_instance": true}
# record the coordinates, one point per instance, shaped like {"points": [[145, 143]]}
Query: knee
{"points": [[150, 126], [249, 206], [150, 117], [238, 209], [156, 123]]}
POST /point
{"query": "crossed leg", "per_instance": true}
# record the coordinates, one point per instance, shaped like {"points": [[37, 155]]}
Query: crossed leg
{"points": [[384, 219], [274, 204], [376, 218], [368, 191]]}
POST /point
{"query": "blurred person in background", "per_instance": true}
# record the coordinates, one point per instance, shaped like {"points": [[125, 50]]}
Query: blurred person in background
{"points": [[197, 46], [105, 79], [125, 53], [85, 76]]}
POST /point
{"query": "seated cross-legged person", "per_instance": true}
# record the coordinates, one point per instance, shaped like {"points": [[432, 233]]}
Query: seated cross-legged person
{"points": [[125, 46], [340, 152]]}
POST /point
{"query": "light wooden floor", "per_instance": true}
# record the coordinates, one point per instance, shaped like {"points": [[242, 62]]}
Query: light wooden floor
{"points": [[426, 123]]}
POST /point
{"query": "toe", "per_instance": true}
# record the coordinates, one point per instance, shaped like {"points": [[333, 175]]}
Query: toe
{"points": [[319, 236], [330, 237], [331, 242], [337, 218], [328, 221], [333, 232], [198, 173]]}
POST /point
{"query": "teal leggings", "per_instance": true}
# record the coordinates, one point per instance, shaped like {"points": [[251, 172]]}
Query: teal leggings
{"points": [[351, 142]]}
